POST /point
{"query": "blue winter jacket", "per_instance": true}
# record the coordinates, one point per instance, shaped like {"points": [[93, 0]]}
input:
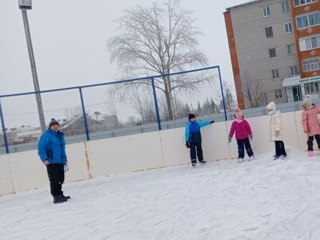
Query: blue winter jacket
{"points": [[193, 133], [51, 147]]}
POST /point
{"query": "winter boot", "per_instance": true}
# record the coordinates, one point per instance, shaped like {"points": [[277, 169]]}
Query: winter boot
{"points": [[58, 199], [310, 154], [203, 162], [193, 164], [252, 158], [275, 157], [240, 160], [65, 197], [283, 156]]}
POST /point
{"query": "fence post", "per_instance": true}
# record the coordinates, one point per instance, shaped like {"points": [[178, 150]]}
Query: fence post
{"points": [[156, 103], [4, 130], [84, 115], [222, 93]]}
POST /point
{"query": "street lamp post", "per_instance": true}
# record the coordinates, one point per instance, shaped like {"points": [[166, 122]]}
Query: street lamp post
{"points": [[25, 5]]}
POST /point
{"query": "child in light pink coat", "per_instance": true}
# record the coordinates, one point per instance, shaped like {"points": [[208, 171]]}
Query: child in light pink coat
{"points": [[310, 123], [241, 127]]}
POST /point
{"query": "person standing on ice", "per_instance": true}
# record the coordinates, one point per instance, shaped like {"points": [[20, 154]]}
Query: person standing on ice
{"points": [[193, 138], [276, 131], [242, 128], [310, 123], [51, 150]]}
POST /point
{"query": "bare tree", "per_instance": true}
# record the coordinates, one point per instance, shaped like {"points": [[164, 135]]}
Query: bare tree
{"points": [[144, 106], [229, 98], [253, 91], [158, 40]]}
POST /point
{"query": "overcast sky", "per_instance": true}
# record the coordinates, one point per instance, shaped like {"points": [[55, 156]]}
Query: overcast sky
{"points": [[69, 40]]}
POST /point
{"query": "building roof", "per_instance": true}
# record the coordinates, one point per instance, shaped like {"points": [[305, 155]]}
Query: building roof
{"points": [[243, 4]]}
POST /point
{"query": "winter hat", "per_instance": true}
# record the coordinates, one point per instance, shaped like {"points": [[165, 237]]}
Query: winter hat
{"points": [[238, 114], [191, 115], [308, 100], [271, 106], [53, 122]]}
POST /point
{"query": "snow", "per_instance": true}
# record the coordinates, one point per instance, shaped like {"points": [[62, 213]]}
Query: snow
{"points": [[260, 199]]}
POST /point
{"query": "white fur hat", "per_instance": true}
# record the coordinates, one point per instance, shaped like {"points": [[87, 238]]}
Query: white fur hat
{"points": [[308, 100], [271, 106]]}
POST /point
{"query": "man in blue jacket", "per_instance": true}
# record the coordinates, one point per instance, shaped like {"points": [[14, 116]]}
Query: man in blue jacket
{"points": [[51, 149], [193, 138]]}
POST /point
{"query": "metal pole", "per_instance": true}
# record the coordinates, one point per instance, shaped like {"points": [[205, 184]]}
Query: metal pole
{"points": [[4, 130], [156, 103], [84, 115], [222, 93], [33, 70]]}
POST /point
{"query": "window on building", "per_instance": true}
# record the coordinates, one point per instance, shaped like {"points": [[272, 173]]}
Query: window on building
{"points": [[272, 53], [285, 6], [294, 70], [275, 73], [309, 20], [266, 11], [278, 93], [309, 43], [310, 65], [311, 88], [291, 49], [303, 2], [288, 28], [269, 32]]}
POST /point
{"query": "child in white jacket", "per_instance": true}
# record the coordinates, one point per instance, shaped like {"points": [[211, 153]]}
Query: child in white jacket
{"points": [[276, 131]]}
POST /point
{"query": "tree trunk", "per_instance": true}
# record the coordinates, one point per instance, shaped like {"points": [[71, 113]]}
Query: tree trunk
{"points": [[168, 98]]}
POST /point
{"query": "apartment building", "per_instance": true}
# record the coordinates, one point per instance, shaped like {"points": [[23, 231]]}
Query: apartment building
{"points": [[274, 50]]}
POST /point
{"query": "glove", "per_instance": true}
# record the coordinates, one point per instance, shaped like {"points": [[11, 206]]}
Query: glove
{"points": [[187, 144], [66, 167], [212, 122], [251, 137], [229, 139]]}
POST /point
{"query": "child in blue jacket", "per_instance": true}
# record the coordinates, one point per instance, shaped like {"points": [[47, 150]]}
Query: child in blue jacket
{"points": [[193, 138]]}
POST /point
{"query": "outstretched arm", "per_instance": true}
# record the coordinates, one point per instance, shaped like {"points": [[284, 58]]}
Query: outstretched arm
{"points": [[205, 123]]}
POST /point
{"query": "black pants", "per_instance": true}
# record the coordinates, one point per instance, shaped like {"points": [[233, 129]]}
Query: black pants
{"points": [[56, 178], [244, 143], [196, 150], [280, 149], [310, 142]]}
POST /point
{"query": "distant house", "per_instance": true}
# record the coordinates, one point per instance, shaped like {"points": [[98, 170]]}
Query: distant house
{"points": [[111, 121], [23, 134], [76, 126]]}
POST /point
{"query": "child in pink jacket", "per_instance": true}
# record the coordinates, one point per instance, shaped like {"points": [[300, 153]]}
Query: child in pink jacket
{"points": [[241, 127], [310, 123]]}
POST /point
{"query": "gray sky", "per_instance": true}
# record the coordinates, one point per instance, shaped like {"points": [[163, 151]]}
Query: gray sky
{"points": [[69, 39]]}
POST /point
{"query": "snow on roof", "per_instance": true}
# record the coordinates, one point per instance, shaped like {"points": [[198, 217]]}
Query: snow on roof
{"points": [[243, 4], [29, 133]]}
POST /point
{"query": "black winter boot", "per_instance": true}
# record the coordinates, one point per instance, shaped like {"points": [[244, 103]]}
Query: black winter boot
{"points": [[65, 197], [58, 199]]}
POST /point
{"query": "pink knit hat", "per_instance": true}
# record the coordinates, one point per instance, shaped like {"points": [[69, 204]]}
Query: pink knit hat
{"points": [[238, 114]]}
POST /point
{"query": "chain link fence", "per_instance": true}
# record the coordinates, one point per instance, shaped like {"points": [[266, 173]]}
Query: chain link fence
{"points": [[115, 108]]}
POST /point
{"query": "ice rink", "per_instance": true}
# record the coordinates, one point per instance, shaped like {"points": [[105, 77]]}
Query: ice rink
{"points": [[261, 199]]}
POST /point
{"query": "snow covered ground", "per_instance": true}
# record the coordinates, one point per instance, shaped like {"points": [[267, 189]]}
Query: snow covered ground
{"points": [[261, 199]]}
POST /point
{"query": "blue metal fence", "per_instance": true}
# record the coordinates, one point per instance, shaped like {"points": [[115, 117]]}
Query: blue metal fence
{"points": [[87, 122]]}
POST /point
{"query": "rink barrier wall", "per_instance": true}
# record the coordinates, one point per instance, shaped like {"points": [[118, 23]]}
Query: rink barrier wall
{"points": [[23, 171]]}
